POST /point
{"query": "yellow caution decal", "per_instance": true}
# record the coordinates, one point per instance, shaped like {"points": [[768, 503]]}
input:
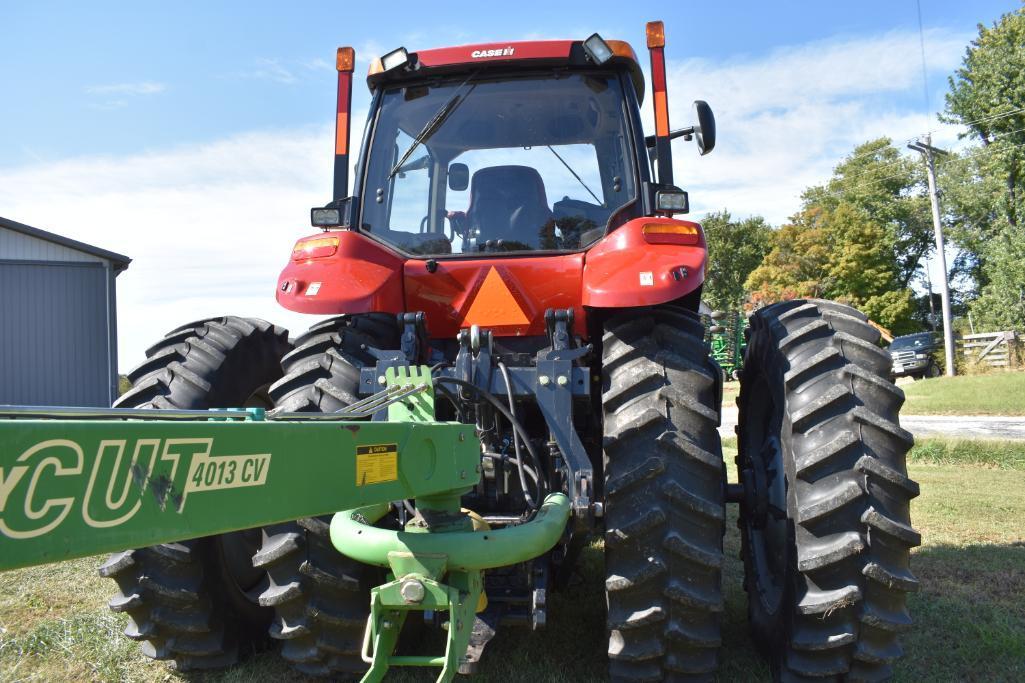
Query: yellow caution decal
{"points": [[377, 464]]}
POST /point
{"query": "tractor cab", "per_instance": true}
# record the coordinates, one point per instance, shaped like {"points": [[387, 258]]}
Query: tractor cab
{"points": [[497, 182], [489, 162]]}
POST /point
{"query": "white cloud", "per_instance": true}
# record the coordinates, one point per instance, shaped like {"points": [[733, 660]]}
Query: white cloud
{"points": [[210, 226], [271, 70], [785, 120], [141, 88]]}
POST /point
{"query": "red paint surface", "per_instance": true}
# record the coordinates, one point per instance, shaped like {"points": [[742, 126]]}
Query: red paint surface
{"points": [[364, 276], [613, 268], [535, 283], [535, 49], [361, 277]]}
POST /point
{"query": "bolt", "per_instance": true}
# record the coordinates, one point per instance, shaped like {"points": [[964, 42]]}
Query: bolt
{"points": [[562, 380], [462, 474], [386, 624], [543, 380], [412, 591], [462, 437], [381, 380]]}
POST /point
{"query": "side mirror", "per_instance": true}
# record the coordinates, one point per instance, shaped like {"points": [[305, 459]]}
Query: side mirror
{"points": [[334, 215], [704, 131], [458, 177]]}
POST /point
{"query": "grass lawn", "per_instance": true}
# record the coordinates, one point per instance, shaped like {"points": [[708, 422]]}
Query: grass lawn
{"points": [[970, 613], [998, 393]]}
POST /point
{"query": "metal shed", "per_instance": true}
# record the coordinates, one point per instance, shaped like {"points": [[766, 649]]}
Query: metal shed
{"points": [[58, 319]]}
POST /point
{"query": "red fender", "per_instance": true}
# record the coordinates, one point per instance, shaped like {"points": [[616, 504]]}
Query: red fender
{"points": [[362, 276], [626, 269]]}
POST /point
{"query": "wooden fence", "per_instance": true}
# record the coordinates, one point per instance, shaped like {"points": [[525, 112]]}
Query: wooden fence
{"points": [[998, 349]]}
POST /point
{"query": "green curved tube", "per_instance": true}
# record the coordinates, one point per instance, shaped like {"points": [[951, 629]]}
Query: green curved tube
{"points": [[466, 551]]}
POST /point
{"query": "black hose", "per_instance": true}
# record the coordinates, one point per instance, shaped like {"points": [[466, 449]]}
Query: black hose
{"points": [[516, 439], [451, 398], [516, 425]]}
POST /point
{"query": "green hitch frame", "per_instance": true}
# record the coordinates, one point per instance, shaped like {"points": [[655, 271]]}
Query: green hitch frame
{"points": [[419, 560]]}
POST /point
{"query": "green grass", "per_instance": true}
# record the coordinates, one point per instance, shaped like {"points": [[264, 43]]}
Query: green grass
{"points": [[970, 613], [997, 393], [1002, 455]]}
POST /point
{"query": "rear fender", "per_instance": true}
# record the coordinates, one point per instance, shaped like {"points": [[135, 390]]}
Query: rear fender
{"points": [[624, 270], [362, 276]]}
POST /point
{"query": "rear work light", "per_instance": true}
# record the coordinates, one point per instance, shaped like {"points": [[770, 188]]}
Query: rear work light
{"points": [[671, 233], [314, 247]]}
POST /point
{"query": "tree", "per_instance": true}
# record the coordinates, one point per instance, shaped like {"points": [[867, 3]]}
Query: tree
{"points": [[859, 238], [986, 195], [889, 189], [735, 248], [796, 264]]}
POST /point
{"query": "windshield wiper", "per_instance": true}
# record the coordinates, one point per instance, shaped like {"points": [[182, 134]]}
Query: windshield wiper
{"points": [[430, 128], [600, 203]]}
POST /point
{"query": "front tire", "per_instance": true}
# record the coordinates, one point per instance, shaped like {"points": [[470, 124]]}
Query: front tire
{"points": [[825, 522], [195, 602], [664, 497]]}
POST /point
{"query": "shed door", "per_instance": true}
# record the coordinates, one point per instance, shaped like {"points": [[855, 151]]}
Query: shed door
{"points": [[53, 334]]}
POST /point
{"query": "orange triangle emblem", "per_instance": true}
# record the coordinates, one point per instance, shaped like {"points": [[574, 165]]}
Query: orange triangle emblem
{"points": [[495, 305]]}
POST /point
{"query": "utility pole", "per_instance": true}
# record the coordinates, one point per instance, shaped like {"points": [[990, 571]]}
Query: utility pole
{"points": [[928, 151]]}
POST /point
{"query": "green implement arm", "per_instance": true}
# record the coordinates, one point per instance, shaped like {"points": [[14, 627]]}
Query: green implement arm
{"points": [[78, 482]]}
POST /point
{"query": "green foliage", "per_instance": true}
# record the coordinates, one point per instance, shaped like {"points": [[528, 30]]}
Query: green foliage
{"points": [[735, 248], [858, 239], [985, 189], [888, 189]]}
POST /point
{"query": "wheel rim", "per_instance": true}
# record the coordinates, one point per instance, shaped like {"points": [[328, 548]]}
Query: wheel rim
{"points": [[765, 518]]}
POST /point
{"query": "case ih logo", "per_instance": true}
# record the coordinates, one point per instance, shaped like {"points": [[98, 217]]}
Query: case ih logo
{"points": [[52, 479], [499, 52]]}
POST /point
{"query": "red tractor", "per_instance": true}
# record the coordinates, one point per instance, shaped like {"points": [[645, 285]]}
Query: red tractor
{"points": [[511, 226]]}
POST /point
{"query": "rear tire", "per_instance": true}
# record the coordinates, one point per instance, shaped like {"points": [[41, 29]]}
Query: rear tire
{"points": [[320, 597], [827, 558], [664, 497], [195, 602]]}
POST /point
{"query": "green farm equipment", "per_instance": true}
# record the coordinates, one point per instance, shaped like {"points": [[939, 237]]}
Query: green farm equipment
{"points": [[726, 341], [79, 482]]}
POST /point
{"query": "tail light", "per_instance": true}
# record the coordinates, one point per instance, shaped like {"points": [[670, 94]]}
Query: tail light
{"points": [[672, 233], [314, 247]]}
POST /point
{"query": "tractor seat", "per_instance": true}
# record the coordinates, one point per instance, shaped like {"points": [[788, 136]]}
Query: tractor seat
{"points": [[508, 203]]}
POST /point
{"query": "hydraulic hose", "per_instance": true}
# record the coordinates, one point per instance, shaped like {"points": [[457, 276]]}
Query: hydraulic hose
{"points": [[516, 425], [516, 441]]}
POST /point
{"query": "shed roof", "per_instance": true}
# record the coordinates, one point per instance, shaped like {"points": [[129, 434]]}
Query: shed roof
{"points": [[119, 261]]}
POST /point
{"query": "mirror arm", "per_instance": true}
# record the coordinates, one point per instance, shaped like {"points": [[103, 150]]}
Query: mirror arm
{"points": [[649, 141]]}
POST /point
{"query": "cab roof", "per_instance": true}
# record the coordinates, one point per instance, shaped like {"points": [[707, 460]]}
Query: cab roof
{"points": [[509, 56]]}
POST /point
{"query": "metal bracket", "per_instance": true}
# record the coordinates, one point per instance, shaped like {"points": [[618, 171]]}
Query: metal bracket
{"points": [[413, 342], [555, 399]]}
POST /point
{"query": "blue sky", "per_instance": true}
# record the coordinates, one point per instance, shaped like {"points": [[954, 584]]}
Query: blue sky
{"points": [[218, 68], [194, 137]]}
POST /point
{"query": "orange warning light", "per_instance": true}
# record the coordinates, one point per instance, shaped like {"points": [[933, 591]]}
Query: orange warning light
{"points": [[345, 60], [656, 34]]}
